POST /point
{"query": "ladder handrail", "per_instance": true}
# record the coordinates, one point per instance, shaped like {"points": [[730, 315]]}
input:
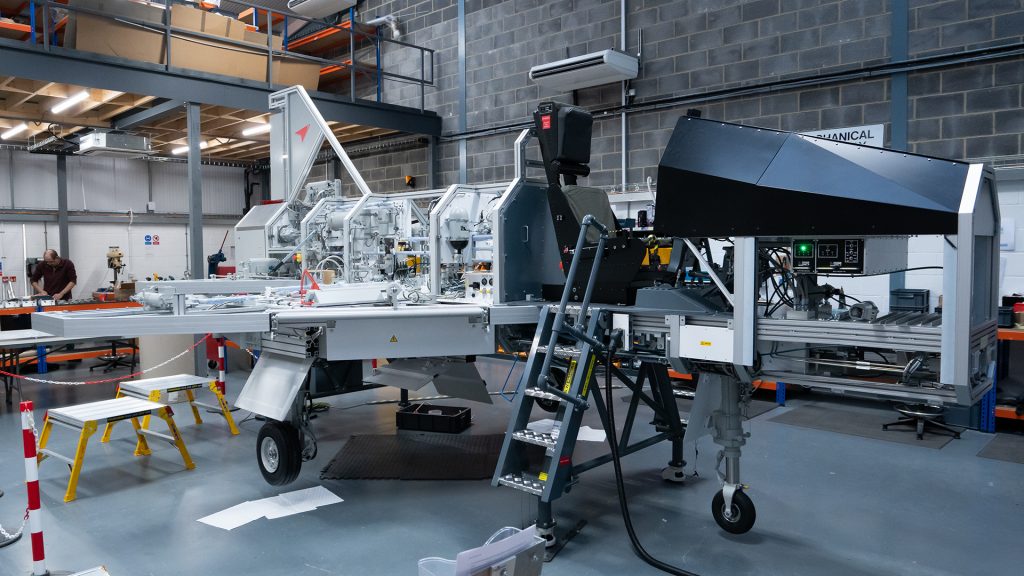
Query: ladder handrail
{"points": [[559, 322]]}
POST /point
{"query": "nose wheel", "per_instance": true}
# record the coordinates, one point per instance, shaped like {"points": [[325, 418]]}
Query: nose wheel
{"points": [[738, 516], [279, 452]]}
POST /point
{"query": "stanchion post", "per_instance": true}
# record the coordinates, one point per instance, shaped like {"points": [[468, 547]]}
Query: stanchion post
{"points": [[35, 523], [221, 360]]}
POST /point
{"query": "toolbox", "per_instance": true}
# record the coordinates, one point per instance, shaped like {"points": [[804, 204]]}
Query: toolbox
{"points": [[433, 418]]}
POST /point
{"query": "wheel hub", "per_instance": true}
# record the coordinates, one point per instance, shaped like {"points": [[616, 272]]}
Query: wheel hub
{"points": [[731, 513], [269, 455]]}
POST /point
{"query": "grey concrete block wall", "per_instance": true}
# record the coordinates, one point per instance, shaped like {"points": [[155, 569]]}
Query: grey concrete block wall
{"points": [[702, 54]]}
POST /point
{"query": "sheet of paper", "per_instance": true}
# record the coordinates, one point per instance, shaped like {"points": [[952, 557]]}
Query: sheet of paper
{"points": [[97, 571], [588, 434], [235, 516], [286, 504], [317, 495], [545, 426], [299, 501], [277, 507]]}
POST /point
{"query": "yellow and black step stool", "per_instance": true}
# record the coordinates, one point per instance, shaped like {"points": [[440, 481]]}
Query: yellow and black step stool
{"points": [[86, 419], [179, 388]]}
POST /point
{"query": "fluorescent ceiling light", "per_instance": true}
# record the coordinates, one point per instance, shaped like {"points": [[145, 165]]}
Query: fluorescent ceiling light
{"points": [[14, 131], [69, 102], [260, 129], [184, 149]]}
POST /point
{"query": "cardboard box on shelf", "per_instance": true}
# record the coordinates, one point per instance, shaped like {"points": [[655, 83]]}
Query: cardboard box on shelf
{"points": [[130, 40], [286, 71], [139, 41], [211, 56], [291, 71]]}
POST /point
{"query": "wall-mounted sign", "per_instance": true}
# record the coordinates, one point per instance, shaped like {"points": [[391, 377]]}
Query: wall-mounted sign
{"points": [[151, 239], [871, 135]]}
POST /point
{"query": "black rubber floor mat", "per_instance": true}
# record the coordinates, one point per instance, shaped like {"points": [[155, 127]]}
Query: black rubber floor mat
{"points": [[858, 423], [1006, 447], [416, 457]]}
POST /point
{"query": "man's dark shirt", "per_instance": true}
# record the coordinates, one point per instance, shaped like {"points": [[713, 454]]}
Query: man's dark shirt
{"points": [[55, 278]]}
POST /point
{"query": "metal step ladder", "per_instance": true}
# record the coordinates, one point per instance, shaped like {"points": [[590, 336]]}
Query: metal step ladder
{"points": [[555, 475], [578, 342]]}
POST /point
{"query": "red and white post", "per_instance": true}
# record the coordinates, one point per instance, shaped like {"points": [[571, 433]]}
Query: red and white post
{"points": [[35, 523], [221, 359]]}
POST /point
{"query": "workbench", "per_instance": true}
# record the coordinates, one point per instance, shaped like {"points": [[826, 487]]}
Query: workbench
{"points": [[14, 342], [1003, 411]]}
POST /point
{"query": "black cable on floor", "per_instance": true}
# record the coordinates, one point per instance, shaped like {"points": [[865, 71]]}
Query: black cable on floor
{"points": [[613, 444]]}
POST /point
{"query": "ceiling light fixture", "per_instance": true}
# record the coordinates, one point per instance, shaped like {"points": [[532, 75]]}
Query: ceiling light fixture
{"points": [[253, 130], [69, 102], [14, 131], [184, 149]]}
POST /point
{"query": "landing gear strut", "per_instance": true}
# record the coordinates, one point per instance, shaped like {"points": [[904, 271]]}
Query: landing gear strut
{"points": [[732, 508]]}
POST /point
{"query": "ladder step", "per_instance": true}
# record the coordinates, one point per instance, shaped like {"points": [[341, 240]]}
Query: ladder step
{"points": [[57, 456], [147, 432], [544, 439], [523, 483], [538, 393]]}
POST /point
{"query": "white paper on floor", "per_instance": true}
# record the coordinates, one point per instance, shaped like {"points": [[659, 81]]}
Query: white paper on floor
{"points": [[271, 508], [549, 426], [235, 516]]}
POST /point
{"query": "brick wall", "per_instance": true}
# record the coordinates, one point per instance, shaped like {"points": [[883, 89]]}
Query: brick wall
{"points": [[699, 48], [970, 111]]}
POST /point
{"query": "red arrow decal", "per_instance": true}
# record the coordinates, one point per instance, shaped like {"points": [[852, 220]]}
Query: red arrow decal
{"points": [[302, 132]]}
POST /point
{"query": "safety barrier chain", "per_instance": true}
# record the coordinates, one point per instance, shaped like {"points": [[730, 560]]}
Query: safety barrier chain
{"points": [[108, 380], [17, 534]]}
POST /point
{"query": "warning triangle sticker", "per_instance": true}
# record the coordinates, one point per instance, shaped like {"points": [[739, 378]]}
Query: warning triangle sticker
{"points": [[302, 132], [394, 339]]}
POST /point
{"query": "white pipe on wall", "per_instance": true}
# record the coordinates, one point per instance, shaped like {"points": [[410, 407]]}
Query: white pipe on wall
{"points": [[625, 97], [24, 259]]}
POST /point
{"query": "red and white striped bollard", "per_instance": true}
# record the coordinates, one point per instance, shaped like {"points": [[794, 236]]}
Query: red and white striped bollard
{"points": [[35, 522], [221, 353]]}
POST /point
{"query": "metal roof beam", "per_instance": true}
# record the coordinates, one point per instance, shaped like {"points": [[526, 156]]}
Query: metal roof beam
{"points": [[133, 119]]}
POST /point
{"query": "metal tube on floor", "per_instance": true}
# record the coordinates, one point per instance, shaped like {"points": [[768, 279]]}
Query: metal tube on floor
{"points": [[35, 522]]}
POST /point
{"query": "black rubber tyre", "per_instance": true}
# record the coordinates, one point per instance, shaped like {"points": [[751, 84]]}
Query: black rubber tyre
{"points": [[548, 405], [743, 512], [279, 452], [552, 405]]}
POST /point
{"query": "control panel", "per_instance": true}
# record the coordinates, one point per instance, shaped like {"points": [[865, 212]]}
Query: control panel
{"points": [[871, 255], [480, 287]]}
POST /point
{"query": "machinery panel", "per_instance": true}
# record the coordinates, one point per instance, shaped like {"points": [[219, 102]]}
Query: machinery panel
{"points": [[719, 179], [870, 255], [273, 385], [408, 337], [480, 287], [704, 343]]}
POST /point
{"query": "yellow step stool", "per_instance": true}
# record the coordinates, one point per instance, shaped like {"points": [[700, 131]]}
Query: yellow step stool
{"points": [[160, 389], [86, 418]]}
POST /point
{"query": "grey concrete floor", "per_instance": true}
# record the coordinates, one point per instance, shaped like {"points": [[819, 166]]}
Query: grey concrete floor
{"points": [[826, 504]]}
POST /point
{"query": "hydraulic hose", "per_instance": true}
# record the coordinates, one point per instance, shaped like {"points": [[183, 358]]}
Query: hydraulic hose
{"points": [[613, 444]]}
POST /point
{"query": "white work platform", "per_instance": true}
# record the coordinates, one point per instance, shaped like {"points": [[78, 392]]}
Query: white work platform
{"points": [[103, 411], [86, 418], [164, 384], [176, 389]]}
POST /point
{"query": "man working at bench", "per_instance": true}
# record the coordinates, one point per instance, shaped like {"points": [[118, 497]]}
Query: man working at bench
{"points": [[57, 275]]}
